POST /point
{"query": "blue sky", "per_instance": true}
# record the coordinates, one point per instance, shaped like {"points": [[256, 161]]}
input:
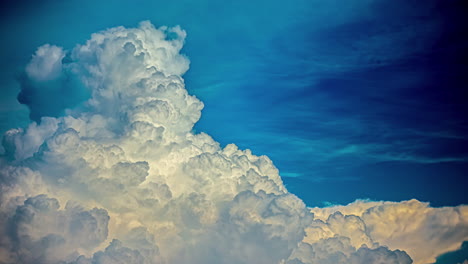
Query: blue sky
{"points": [[356, 99]]}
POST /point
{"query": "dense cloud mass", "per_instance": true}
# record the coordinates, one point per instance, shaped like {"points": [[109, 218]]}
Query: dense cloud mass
{"points": [[122, 178], [422, 231]]}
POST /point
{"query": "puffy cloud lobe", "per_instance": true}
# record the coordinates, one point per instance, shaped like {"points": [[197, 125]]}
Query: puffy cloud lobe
{"points": [[139, 186], [115, 253], [350, 226], [339, 250], [48, 87], [422, 231], [20, 144], [380, 255], [46, 64], [41, 233]]}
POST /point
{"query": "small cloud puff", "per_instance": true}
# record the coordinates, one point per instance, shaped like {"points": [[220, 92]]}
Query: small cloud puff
{"points": [[46, 64], [139, 186]]}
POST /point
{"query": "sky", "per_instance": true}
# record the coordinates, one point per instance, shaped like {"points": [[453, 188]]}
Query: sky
{"points": [[359, 103]]}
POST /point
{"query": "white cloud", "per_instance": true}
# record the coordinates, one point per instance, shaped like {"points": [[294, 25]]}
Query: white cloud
{"points": [[41, 233], [21, 144], [424, 232], [140, 187], [46, 64]]}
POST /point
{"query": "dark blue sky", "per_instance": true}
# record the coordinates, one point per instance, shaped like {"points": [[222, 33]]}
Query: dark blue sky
{"points": [[350, 99]]}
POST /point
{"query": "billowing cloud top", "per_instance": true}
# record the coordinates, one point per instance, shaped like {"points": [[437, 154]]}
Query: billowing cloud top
{"points": [[122, 178]]}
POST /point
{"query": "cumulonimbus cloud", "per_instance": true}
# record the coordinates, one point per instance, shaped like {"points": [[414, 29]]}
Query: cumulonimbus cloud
{"points": [[123, 178]]}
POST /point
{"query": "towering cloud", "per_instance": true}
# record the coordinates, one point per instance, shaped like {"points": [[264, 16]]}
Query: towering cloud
{"points": [[122, 178]]}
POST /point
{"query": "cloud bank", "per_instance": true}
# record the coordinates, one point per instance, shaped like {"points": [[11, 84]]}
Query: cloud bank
{"points": [[122, 178]]}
